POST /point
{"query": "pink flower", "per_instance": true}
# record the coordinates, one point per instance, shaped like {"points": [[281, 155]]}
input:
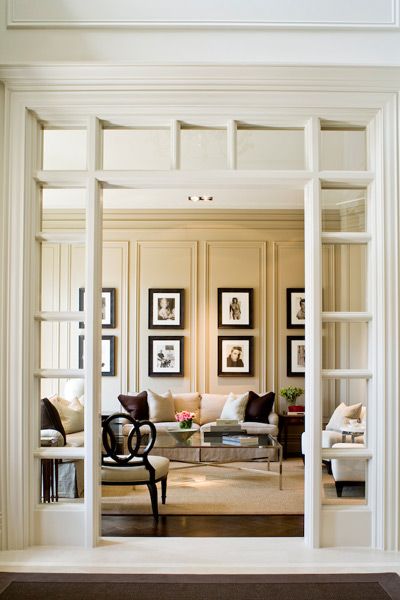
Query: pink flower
{"points": [[184, 415]]}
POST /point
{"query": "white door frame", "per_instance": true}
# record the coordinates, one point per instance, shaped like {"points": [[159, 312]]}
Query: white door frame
{"points": [[189, 93]]}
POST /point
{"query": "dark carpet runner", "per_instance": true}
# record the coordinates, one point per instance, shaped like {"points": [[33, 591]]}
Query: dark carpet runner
{"points": [[65, 586]]}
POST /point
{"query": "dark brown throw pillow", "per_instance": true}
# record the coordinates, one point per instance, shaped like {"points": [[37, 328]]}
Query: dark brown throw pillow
{"points": [[50, 418], [259, 407], [136, 405]]}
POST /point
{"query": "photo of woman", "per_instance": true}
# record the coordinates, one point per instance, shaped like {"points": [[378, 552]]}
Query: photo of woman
{"points": [[166, 309], [234, 357], [235, 311]]}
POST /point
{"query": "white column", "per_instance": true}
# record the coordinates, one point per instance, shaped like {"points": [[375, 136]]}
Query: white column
{"points": [[313, 287], [94, 246]]}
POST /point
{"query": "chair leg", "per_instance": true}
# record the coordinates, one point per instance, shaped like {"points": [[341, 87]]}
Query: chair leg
{"points": [[339, 488], [154, 499], [163, 490]]}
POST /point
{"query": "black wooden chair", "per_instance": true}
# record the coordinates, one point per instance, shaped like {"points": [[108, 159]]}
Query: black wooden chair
{"points": [[137, 467]]}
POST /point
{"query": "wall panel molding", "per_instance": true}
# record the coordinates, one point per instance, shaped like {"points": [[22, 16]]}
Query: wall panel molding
{"points": [[279, 316], [257, 14], [191, 327]]}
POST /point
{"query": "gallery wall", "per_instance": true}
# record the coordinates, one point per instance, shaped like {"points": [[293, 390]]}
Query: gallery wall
{"points": [[199, 253], [263, 252]]}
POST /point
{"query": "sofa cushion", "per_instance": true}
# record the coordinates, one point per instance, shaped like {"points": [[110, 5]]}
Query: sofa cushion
{"points": [[161, 406], [211, 406], [342, 413], [76, 440], [136, 405], [50, 417], [161, 427], [71, 413], [235, 406], [188, 401], [258, 407]]}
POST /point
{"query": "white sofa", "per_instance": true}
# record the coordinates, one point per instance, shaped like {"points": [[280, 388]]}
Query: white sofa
{"points": [[330, 437], [208, 408], [348, 471]]}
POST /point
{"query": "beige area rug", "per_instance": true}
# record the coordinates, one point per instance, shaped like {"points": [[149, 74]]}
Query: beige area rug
{"points": [[235, 488]]}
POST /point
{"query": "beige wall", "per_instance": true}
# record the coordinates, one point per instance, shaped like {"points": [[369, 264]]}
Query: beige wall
{"points": [[263, 251]]}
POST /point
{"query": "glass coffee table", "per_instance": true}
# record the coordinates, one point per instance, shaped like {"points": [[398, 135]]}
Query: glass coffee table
{"points": [[265, 447]]}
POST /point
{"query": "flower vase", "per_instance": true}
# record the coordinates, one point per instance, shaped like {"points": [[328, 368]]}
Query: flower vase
{"points": [[187, 424]]}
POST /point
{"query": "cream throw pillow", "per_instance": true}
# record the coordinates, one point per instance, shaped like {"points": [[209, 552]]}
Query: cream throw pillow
{"points": [[71, 413], [342, 413], [235, 406], [161, 407]]}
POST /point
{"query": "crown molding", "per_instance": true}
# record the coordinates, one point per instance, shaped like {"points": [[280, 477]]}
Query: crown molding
{"points": [[207, 15], [209, 77]]}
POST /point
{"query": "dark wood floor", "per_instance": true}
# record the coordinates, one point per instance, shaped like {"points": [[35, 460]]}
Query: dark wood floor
{"points": [[204, 526]]}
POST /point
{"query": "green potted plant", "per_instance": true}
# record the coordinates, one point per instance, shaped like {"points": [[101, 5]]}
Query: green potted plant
{"points": [[291, 393]]}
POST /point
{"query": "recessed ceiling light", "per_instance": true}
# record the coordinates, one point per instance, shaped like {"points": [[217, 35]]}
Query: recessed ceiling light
{"points": [[200, 198]]}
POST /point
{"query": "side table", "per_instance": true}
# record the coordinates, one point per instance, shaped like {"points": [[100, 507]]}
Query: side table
{"points": [[291, 426]]}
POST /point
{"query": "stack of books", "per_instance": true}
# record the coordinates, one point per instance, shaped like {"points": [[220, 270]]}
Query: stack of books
{"points": [[240, 440], [223, 427]]}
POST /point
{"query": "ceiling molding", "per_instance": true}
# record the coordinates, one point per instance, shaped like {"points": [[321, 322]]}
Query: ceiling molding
{"points": [[207, 15], [207, 77]]}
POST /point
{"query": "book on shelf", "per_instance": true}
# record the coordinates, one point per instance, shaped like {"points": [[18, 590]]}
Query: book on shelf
{"points": [[240, 440]]}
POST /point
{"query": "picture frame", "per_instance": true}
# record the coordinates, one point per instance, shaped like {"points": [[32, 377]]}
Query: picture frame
{"points": [[166, 308], [107, 354], [236, 349], [108, 307], [166, 357], [295, 308], [235, 308], [295, 356]]}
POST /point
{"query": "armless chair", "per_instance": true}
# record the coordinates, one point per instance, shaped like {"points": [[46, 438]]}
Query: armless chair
{"points": [[136, 467]]}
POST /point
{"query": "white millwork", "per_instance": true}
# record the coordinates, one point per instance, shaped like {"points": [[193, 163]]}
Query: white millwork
{"points": [[276, 105]]}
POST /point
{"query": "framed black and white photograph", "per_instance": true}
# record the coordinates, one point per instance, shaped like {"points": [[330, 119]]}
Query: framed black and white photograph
{"points": [[235, 356], [166, 356], [235, 308], [166, 308], [295, 308], [108, 320], [296, 356], [107, 354]]}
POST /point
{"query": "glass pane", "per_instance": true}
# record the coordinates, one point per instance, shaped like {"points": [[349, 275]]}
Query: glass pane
{"points": [[64, 149], [60, 480], [344, 277], [63, 208], [62, 275], [344, 481], [259, 148], [61, 345], [140, 149], [345, 346], [343, 150], [343, 209], [203, 148], [336, 392]]}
